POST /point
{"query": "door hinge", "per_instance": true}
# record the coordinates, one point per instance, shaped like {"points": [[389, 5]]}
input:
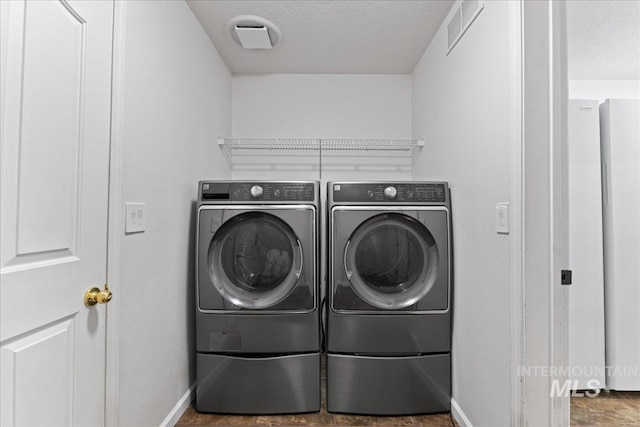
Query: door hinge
{"points": [[565, 277]]}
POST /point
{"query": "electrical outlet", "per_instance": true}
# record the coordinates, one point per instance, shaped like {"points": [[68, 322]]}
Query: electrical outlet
{"points": [[135, 217]]}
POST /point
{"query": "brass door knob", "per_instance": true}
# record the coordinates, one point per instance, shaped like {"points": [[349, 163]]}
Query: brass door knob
{"points": [[95, 296]]}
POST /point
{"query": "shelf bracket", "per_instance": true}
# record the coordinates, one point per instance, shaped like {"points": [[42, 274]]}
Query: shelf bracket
{"points": [[320, 159]]}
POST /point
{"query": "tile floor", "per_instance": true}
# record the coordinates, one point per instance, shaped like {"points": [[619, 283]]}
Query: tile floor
{"points": [[607, 409], [322, 418]]}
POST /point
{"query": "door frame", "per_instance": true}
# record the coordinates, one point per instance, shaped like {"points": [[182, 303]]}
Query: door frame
{"points": [[539, 249], [115, 215], [516, 192]]}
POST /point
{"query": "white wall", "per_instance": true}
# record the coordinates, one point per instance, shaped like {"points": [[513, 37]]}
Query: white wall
{"points": [[322, 105], [604, 89], [462, 105], [177, 100]]}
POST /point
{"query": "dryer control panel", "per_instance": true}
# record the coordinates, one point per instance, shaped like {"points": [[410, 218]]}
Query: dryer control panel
{"points": [[257, 191], [390, 192]]}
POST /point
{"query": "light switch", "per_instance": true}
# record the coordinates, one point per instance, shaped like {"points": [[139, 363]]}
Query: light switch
{"points": [[135, 217], [502, 218]]}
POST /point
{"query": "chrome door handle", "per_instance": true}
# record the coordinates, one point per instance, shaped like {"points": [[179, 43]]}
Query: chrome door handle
{"points": [[299, 272], [346, 251]]}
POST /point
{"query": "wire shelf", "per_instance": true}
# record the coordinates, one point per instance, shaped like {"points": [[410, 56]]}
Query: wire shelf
{"points": [[399, 148]]}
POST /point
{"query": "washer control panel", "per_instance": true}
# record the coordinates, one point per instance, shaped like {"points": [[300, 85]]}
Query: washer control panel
{"points": [[258, 192], [421, 192]]}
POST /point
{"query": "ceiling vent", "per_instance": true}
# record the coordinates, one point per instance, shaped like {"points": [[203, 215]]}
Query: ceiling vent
{"points": [[254, 37], [253, 32], [461, 20]]}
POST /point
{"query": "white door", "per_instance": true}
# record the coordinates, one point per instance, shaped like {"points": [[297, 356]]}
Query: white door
{"points": [[55, 73]]}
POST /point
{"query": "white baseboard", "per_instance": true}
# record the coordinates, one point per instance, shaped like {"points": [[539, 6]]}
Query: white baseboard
{"points": [[457, 413], [180, 407]]}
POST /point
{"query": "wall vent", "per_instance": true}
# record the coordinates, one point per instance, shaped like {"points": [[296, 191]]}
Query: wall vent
{"points": [[454, 28], [470, 10], [461, 20]]}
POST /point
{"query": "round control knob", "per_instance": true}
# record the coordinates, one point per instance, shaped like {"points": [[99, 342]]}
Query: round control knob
{"points": [[370, 193], [256, 191], [390, 192]]}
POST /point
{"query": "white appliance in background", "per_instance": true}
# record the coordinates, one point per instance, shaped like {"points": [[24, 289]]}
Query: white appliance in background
{"points": [[586, 295], [620, 145]]}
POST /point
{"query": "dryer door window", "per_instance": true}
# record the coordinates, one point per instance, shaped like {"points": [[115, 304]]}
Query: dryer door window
{"points": [[255, 260], [391, 261]]}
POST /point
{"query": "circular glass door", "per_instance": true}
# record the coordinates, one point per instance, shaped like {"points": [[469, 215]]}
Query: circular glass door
{"points": [[255, 260], [391, 261]]}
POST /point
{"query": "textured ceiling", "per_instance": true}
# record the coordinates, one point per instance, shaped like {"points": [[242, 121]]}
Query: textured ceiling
{"points": [[334, 37], [604, 39]]}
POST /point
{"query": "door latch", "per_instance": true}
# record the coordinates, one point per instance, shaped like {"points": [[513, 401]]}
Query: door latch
{"points": [[565, 277]]}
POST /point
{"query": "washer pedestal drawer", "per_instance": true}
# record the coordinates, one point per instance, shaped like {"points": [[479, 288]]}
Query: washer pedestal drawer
{"points": [[258, 385], [388, 385]]}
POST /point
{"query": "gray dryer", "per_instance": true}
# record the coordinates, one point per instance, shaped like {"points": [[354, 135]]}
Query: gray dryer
{"points": [[389, 293]]}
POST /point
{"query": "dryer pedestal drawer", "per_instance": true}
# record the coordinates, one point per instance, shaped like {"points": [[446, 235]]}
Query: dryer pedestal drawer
{"points": [[279, 333], [388, 385], [258, 385], [388, 334]]}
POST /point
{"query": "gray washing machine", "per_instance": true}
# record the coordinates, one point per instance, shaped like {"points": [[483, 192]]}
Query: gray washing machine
{"points": [[389, 289], [257, 301]]}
